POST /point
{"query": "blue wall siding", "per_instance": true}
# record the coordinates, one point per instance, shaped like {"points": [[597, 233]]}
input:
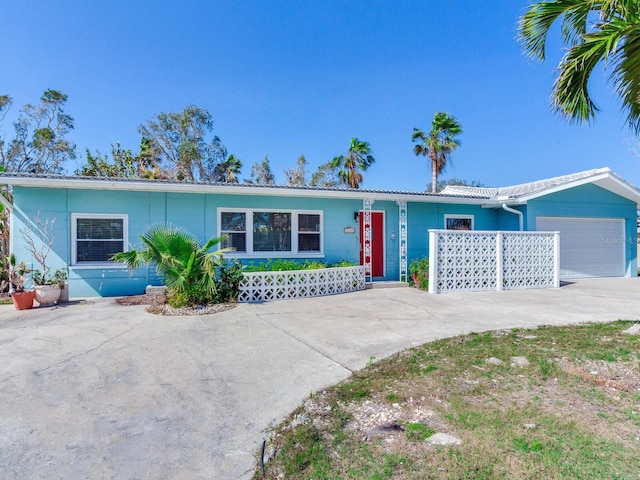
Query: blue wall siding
{"points": [[48, 205], [510, 221], [105, 280], [198, 213], [337, 214], [421, 217], [590, 201], [195, 212]]}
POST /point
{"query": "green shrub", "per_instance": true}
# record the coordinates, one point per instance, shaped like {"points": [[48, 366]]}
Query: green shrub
{"points": [[420, 269], [282, 264], [178, 299], [343, 263], [229, 282], [274, 265], [194, 274]]}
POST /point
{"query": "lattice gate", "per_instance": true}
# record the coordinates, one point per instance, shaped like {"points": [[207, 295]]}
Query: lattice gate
{"points": [[476, 260]]}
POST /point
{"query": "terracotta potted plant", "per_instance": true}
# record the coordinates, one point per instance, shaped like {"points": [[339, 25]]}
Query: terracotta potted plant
{"points": [[22, 299], [39, 240]]}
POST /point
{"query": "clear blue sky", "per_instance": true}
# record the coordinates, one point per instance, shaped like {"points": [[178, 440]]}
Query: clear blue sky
{"points": [[288, 77]]}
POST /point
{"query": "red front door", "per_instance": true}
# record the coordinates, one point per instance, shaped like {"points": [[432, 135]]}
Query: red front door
{"points": [[377, 243]]}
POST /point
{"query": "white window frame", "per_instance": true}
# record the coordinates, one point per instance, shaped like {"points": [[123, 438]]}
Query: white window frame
{"points": [[104, 216], [294, 253], [460, 217]]}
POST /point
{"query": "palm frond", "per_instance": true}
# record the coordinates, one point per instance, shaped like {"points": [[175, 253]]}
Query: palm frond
{"points": [[132, 258], [596, 32], [570, 92], [534, 25], [626, 78]]}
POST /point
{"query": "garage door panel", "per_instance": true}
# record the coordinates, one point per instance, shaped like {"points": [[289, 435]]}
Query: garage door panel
{"points": [[589, 247]]}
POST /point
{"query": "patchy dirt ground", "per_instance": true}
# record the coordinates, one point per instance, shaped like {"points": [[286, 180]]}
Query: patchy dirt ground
{"points": [[142, 300], [157, 304]]}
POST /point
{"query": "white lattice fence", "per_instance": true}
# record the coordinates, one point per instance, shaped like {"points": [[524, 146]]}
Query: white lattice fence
{"points": [[266, 286], [476, 260]]}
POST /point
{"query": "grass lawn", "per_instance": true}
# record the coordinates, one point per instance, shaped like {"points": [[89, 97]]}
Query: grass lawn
{"points": [[573, 412]]}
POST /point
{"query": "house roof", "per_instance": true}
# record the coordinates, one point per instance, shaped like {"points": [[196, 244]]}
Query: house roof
{"points": [[519, 194], [102, 183], [511, 195]]}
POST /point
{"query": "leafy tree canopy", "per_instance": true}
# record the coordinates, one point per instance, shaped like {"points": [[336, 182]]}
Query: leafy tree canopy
{"points": [[297, 176], [124, 164], [39, 143], [261, 173], [326, 176], [179, 145]]}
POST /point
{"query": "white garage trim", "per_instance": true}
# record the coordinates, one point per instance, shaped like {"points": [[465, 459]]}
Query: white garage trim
{"points": [[589, 247]]}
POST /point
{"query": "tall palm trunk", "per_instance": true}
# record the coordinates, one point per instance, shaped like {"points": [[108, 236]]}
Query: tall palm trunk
{"points": [[434, 170]]}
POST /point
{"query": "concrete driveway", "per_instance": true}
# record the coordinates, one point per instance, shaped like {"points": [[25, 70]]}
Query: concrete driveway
{"points": [[95, 390]]}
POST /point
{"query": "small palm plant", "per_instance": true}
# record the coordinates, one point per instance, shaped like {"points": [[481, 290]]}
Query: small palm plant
{"points": [[17, 272], [188, 269]]}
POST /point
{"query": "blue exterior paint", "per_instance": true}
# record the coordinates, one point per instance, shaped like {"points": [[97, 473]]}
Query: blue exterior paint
{"points": [[198, 213], [589, 201], [509, 221], [424, 216]]}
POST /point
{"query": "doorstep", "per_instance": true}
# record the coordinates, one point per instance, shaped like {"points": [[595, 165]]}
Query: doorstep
{"points": [[391, 284]]}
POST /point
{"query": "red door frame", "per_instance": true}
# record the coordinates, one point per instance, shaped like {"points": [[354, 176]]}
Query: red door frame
{"points": [[377, 242]]}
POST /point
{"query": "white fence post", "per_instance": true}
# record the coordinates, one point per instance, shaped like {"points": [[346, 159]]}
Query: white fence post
{"points": [[556, 246], [434, 261], [499, 262]]}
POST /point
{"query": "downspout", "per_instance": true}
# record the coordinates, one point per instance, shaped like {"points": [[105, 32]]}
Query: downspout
{"points": [[517, 212]]}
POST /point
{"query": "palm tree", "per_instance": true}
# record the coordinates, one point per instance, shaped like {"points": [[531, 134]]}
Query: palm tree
{"points": [[183, 264], [358, 159], [596, 31], [438, 143], [228, 171]]}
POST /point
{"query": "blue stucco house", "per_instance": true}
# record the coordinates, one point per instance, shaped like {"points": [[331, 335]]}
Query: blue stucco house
{"points": [[595, 212]]}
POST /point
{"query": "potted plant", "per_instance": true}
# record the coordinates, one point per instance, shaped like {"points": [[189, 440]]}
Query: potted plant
{"points": [[47, 287], [419, 269], [22, 299]]}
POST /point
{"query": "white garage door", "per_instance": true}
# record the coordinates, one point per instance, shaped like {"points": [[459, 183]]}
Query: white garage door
{"points": [[589, 247]]}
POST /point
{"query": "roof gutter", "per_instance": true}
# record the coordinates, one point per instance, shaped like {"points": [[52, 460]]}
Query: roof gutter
{"points": [[175, 187], [517, 212]]}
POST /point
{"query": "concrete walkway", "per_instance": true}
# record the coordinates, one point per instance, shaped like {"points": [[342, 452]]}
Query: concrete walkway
{"points": [[95, 390]]}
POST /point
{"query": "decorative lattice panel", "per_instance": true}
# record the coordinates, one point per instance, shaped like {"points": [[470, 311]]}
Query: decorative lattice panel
{"points": [[474, 261], [404, 263], [528, 260], [465, 262], [267, 286]]}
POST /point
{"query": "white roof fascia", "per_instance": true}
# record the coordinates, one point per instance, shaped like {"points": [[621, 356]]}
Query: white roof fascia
{"points": [[170, 187], [607, 180]]}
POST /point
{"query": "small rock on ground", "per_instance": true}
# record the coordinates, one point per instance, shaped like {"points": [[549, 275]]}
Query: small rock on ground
{"points": [[443, 439], [519, 361], [633, 329], [494, 361]]}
